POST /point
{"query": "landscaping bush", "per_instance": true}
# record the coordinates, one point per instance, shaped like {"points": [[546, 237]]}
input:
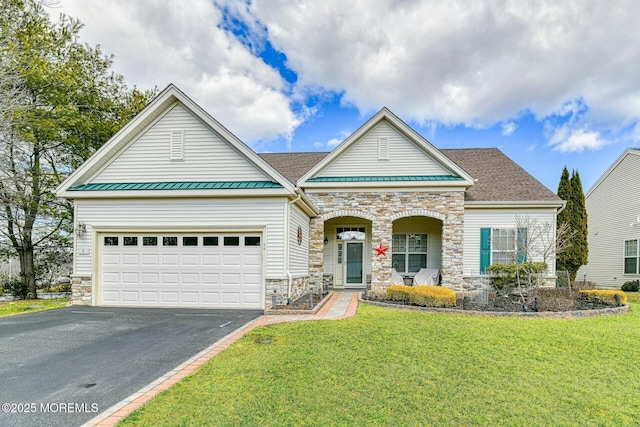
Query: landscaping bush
{"points": [[556, 299], [505, 277], [398, 292], [607, 297], [17, 289], [432, 296], [632, 286], [580, 285]]}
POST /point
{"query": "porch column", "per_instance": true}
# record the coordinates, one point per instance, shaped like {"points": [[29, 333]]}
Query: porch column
{"points": [[381, 232], [316, 252], [452, 248]]}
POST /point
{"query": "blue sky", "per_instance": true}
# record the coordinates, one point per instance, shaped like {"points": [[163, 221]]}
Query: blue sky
{"points": [[551, 84]]}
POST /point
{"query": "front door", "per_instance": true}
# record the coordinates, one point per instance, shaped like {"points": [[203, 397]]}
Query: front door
{"points": [[354, 265]]}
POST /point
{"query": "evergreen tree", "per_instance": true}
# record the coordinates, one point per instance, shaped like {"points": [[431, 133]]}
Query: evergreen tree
{"points": [[575, 216], [579, 252], [66, 102]]}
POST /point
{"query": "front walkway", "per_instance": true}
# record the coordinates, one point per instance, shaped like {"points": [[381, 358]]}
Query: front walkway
{"points": [[341, 305]]}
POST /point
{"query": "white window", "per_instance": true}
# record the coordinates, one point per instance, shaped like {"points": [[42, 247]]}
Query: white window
{"points": [[409, 252], [631, 257], [503, 246]]}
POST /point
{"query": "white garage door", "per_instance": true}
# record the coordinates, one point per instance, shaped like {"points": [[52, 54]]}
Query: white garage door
{"points": [[181, 270]]}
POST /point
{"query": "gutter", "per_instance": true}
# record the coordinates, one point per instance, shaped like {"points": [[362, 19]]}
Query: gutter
{"points": [[288, 240]]}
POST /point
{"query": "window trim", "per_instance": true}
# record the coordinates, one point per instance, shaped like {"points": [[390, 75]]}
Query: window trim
{"points": [[407, 252], [636, 257]]}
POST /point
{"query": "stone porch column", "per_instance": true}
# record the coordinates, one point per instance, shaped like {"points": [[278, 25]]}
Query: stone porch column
{"points": [[452, 247], [316, 252], [381, 232]]}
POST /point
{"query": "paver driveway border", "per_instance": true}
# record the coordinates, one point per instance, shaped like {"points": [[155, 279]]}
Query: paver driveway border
{"points": [[341, 305]]}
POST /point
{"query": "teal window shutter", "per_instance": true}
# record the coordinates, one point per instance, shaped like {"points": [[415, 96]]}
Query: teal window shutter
{"points": [[485, 248], [522, 245]]}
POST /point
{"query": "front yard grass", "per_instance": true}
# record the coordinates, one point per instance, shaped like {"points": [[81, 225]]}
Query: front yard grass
{"points": [[390, 367], [30, 305]]}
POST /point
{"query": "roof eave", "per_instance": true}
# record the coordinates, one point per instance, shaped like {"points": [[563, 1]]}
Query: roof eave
{"points": [[505, 204]]}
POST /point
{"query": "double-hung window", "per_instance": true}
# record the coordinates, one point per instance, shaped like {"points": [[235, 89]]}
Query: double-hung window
{"points": [[502, 246], [409, 252], [631, 257]]}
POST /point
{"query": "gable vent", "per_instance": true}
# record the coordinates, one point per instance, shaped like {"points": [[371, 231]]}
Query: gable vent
{"points": [[383, 148], [177, 145]]}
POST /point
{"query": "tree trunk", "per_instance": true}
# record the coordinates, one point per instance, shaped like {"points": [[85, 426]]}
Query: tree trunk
{"points": [[28, 270]]}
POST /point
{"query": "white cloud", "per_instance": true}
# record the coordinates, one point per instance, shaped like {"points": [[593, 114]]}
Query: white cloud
{"points": [[459, 62], [160, 42], [508, 128], [334, 142], [568, 140]]}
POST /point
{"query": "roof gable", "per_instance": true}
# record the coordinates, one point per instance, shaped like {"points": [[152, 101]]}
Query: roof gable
{"points": [[383, 150], [173, 140], [628, 152]]}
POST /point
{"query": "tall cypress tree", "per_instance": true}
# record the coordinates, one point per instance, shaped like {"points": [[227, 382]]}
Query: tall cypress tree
{"points": [[579, 252], [575, 215]]}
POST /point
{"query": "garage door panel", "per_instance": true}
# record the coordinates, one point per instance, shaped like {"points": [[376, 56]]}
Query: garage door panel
{"points": [[169, 297], [217, 271], [170, 260], [149, 260], [149, 297]]}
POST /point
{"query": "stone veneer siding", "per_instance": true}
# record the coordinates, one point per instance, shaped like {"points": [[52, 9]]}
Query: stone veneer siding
{"points": [[382, 208], [279, 288], [81, 290]]}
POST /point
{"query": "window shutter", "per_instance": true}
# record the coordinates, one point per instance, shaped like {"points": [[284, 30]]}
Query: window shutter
{"points": [[485, 248], [521, 242]]}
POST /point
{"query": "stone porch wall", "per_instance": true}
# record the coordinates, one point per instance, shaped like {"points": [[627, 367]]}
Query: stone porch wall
{"points": [[81, 290], [382, 208], [279, 287]]}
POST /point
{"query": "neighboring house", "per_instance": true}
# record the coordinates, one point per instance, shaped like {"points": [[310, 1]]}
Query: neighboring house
{"points": [[174, 210], [613, 210]]}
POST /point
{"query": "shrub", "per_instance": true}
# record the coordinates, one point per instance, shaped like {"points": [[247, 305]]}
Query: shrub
{"points": [[632, 286], [556, 299], [432, 296], [398, 292], [607, 297], [505, 276], [580, 285], [17, 289]]}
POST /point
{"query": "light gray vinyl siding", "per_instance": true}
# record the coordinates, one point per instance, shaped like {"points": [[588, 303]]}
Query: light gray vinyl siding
{"points": [[205, 215], [155, 155], [298, 253], [612, 207], [405, 157], [475, 219]]}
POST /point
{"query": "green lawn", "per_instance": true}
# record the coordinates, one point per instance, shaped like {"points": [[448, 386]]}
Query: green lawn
{"points": [[389, 367], [31, 305]]}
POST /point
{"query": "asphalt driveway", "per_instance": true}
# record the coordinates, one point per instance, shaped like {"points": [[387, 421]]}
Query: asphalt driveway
{"points": [[63, 367]]}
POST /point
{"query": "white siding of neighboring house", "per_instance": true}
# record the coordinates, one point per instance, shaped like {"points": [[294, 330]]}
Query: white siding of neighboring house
{"points": [[206, 156], [203, 215], [298, 253], [405, 158], [475, 219], [612, 207]]}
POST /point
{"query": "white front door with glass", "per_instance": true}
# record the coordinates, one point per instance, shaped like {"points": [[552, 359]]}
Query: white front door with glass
{"points": [[349, 269]]}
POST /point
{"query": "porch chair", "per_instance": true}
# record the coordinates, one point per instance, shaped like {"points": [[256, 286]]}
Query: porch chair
{"points": [[426, 276], [396, 278]]}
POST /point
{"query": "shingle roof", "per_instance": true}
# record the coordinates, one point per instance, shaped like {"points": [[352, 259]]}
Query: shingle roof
{"points": [[293, 165], [498, 177]]}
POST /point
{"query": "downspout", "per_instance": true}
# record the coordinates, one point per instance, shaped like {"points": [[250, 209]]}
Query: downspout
{"points": [[288, 241]]}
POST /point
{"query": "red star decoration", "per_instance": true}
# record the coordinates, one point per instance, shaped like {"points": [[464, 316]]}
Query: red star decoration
{"points": [[381, 250]]}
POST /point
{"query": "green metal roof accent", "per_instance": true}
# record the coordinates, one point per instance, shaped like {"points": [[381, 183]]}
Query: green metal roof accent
{"points": [[400, 178], [219, 185]]}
